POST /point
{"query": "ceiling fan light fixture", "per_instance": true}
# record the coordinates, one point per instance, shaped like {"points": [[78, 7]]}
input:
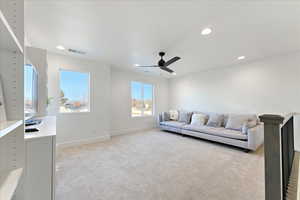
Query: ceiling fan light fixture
{"points": [[206, 31]]}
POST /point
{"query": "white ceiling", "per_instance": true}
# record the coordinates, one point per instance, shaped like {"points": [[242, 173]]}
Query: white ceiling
{"points": [[124, 33]]}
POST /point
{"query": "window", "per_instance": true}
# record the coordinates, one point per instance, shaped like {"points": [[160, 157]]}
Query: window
{"points": [[141, 99], [74, 92], [30, 88]]}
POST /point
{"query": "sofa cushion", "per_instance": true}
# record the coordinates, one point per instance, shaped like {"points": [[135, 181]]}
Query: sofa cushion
{"points": [[185, 117], [217, 131], [215, 120], [236, 122], [165, 116], [175, 124], [199, 119], [174, 115]]}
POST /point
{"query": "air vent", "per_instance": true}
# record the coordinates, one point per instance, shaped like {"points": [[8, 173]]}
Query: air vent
{"points": [[76, 51]]}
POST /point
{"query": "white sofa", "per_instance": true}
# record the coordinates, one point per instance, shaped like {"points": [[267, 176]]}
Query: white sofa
{"points": [[251, 139]]}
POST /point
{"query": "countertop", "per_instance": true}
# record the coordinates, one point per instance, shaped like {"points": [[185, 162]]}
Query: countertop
{"points": [[47, 128]]}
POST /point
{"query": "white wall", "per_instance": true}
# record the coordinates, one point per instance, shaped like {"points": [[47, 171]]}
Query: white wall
{"points": [[75, 127], [268, 86], [121, 120], [38, 58], [110, 101]]}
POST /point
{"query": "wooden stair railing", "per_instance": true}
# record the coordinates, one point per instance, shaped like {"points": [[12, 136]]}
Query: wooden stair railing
{"points": [[279, 154]]}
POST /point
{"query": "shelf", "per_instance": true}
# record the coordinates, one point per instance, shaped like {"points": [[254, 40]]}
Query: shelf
{"points": [[8, 126], [8, 40], [9, 181]]}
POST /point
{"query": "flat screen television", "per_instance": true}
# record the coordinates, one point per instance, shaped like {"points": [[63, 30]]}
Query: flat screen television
{"points": [[30, 90]]}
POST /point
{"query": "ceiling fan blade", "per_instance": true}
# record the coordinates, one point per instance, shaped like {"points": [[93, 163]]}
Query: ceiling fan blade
{"points": [[149, 66], [172, 61], [167, 69]]}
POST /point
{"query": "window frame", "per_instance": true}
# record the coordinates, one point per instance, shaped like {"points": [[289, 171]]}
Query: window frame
{"points": [[153, 99], [89, 90]]}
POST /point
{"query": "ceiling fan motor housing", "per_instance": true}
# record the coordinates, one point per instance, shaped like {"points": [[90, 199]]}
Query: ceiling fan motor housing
{"points": [[161, 62]]}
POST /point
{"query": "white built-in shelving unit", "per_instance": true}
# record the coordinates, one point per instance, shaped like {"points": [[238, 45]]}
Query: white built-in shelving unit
{"points": [[9, 183], [8, 41], [7, 127], [12, 148]]}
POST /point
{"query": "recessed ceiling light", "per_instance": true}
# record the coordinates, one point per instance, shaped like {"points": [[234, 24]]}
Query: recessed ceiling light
{"points": [[241, 57], [206, 31], [174, 73], [60, 47]]}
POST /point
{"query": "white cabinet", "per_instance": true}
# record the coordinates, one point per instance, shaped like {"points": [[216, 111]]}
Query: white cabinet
{"points": [[40, 162]]}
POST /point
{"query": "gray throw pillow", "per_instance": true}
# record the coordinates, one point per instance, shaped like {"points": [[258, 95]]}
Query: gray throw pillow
{"points": [[166, 116], [185, 117], [215, 120]]}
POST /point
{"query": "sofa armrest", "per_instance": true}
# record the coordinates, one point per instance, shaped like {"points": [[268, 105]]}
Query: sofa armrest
{"points": [[255, 137]]}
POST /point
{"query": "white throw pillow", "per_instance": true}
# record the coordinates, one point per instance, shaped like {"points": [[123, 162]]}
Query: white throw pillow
{"points": [[236, 122], [174, 115], [199, 119], [248, 125]]}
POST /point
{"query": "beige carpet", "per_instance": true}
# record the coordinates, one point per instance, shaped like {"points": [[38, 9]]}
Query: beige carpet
{"points": [[156, 165]]}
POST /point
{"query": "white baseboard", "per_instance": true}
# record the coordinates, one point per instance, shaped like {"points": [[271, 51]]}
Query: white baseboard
{"points": [[127, 131], [82, 142], [102, 138]]}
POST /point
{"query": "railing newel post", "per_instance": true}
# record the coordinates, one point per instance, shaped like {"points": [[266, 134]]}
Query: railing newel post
{"points": [[272, 149]]}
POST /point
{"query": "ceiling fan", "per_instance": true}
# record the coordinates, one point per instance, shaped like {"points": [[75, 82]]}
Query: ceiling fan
{"points": [[162, 64]]}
